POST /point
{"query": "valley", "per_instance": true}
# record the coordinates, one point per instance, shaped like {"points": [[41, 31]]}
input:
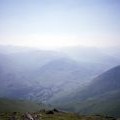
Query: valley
{"points": [[58, 80]]}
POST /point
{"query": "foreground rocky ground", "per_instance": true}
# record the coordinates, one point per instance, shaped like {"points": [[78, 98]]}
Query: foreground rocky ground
{"points": [[51, 115]]}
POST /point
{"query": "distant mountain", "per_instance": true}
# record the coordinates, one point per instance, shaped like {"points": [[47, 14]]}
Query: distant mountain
{"points": [[48, 75], [54, 79], [94, 57], [61, 70], [62, 76], [42, 75], [17, 66], [112, 51], [102, 96]]}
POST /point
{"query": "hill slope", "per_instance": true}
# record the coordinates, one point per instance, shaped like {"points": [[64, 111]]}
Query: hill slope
{"points": [[102, 96], [43, 115], [9, 105]]}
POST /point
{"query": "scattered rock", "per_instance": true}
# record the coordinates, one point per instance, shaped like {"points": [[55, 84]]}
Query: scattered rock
{"points": [[36, 117], [13, 117], [55, 110], [28, 116], [50, 112]]}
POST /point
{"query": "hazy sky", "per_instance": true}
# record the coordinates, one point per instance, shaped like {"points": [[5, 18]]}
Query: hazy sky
{"points": [[50, 24]]}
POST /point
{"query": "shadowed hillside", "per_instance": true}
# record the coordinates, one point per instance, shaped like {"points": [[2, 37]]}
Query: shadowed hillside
{"points": [[102, 96]]}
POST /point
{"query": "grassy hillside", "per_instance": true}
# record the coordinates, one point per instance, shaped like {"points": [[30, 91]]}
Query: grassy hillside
{"points": [[102, 96], [7, 105], [54, 116], [95, 106], [19, 109]]}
